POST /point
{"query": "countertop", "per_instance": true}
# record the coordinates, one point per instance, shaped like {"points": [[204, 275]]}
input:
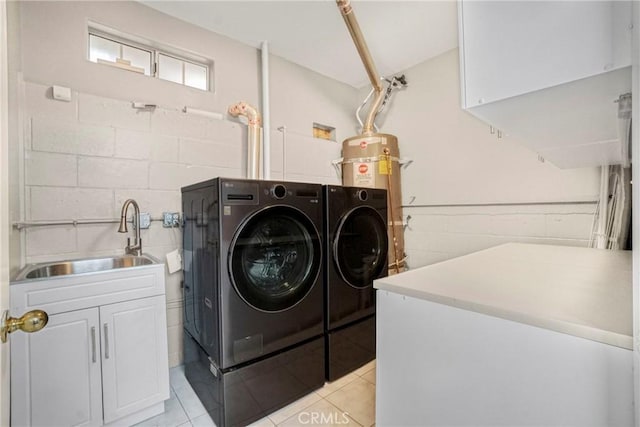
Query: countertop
{"points": [[578, 291]]}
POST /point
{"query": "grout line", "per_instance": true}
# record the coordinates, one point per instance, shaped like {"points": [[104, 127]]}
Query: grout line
{"points": [[182, 406], [311, 404]]}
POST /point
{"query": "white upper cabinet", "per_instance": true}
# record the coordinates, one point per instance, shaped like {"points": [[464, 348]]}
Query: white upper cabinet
{"points": [[548, 72]]}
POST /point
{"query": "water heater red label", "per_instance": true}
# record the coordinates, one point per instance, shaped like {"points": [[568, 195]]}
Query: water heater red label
{"points": [[363, 144], [363, 175]]}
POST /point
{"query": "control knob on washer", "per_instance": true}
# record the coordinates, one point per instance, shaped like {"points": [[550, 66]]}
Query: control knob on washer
{"points": [[279, 191]]}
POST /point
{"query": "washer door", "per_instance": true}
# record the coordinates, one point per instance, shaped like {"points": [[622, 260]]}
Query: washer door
{"points": [[360, 246], [274, 258]]}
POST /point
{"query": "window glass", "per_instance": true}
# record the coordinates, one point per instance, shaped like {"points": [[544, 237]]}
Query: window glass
{"points": [[275, 259], [360, 249], [138, 57], [195, 76], [170, 68], [101, 48]]}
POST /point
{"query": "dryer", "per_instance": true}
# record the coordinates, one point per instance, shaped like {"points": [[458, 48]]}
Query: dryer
{"points": [[253, 293], [356, 247]]}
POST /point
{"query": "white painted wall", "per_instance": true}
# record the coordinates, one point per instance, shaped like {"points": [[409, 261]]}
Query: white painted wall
{"points": [[466, 189], [82, 159]]}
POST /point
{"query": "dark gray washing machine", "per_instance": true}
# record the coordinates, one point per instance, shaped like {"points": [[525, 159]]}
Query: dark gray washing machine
{"points": [[356, 246], [253, 295]]}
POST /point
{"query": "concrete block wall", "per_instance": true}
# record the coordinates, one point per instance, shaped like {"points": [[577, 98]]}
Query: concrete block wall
{"points": [[468, 190], [83, 159], [438, 233]]}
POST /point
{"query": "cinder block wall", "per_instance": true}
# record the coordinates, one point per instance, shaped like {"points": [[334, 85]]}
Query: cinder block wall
{"points": [[468, 190], [81, 160]]}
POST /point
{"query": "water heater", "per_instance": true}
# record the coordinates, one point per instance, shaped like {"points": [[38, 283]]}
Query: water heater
{"points": [[371, 159]]}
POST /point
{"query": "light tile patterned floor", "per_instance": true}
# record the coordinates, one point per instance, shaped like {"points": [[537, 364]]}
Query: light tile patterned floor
{"points": [[349, 401]]}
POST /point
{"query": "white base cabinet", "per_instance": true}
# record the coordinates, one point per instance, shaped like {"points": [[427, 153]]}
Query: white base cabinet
{"points": [[58, 368], [107, 363], [438, 365], [134, 356]]}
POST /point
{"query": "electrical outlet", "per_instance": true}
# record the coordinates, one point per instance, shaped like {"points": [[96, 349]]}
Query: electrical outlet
{"points": [[170, 219], [145, 220]]}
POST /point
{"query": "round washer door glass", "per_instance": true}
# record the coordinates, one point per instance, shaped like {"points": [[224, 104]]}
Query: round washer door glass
{"points": [[360, 246], [274, 259]]}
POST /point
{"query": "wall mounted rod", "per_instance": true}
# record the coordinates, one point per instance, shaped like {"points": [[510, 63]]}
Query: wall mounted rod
{"points": [[456, 205], [29, 224]]}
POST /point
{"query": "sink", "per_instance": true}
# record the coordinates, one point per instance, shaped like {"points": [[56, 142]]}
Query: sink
{"points": [[79, 266]]}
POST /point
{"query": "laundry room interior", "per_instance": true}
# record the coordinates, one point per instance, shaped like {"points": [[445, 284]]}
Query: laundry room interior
{"points": [[483, 148]]}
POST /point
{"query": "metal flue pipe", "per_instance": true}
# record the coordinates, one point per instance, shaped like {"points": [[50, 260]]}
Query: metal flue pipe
{"points": [[371, 159], [365, 56], [254, 137]]}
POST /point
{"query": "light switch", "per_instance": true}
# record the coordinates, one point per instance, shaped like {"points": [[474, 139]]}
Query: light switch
{"points": [[62, 93]]}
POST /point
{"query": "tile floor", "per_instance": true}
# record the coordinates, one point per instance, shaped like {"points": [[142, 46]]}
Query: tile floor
{"points": [[349, 401]]}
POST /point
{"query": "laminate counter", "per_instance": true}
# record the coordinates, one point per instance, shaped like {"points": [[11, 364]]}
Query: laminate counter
{"points": [[518, 334], [579, 291]]}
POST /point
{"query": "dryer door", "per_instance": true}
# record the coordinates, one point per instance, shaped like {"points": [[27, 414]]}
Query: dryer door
{"points": [[275, 258], [360, 246]]}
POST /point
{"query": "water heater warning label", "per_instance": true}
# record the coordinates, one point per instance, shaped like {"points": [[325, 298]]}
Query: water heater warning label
{"points": [[363, 175]]}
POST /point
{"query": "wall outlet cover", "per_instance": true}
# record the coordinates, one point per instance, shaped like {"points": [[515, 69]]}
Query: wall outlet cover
{"points": [[170, 219], [61, 93]]}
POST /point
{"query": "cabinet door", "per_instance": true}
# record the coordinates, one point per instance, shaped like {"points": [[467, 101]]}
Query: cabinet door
{"points": [[135, 366], [55, 373], [509, 48]]}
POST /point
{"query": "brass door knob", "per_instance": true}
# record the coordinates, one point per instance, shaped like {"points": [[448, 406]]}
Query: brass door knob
{"points": [[31, 321]]}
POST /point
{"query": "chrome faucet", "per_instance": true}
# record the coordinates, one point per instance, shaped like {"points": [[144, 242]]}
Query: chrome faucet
{"points": [[136, 249]]}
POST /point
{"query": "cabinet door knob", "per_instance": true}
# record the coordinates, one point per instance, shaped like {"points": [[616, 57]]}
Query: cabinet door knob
{"points": [[31, 321]]}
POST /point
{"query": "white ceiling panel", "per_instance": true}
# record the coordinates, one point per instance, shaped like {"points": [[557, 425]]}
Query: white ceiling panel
{"points": [[312, 33]]}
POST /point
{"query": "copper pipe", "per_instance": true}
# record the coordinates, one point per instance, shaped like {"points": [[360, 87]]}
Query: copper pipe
{"points": [[367, 61], [254, 137], [397, 260]]}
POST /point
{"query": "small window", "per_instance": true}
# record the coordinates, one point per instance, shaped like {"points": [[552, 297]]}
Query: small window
{"points": [[105, 51], [111, 47], [182, 71]]}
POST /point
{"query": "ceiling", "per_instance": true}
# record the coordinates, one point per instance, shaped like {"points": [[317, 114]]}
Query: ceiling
{"points": [[312, 33]]}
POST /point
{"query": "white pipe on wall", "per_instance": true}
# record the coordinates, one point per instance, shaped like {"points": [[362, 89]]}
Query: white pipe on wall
{"points": [[209, 114], [254, 137], [603, 208], [266, 136]]}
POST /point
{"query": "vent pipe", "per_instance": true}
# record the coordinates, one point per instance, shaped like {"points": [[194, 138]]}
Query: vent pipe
{"points": [[365, 56], [371, 159], [254, 137]]}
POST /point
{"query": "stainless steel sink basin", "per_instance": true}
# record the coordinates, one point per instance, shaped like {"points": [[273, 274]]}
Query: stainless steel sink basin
{"points": [[88, 265]]}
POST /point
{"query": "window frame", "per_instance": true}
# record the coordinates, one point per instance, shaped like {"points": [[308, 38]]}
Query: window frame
{"points": [[155, 50]]}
